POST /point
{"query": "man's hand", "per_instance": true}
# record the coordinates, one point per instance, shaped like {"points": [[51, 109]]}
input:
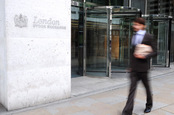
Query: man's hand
{"points": [[139, 56]]}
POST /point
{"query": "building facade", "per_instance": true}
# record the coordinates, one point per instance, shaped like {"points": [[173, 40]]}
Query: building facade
{"points": [[44, 44], [92, 55]]}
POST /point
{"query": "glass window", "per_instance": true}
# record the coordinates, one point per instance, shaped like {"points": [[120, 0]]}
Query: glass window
{"points": [[138, 4], [98, 2], [76, 41], [77, 0], [172, 46]]}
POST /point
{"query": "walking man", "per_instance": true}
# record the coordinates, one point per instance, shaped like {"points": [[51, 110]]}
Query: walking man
{"points": [[139, 66]]}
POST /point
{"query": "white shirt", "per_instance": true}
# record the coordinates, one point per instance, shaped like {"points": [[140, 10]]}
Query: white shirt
{"points": [[138, 37]]}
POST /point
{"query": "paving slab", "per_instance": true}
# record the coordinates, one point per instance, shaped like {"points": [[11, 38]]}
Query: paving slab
{"points": [[169, 108]]}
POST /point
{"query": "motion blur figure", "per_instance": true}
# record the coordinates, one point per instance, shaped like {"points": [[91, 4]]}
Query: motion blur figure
{"points": [[139, 66]]}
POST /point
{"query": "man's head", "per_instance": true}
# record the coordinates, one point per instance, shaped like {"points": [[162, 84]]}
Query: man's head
{"points": [[139, 24]]}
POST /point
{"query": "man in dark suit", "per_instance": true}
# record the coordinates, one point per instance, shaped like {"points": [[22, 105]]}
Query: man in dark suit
{"points": [[139, 66]]}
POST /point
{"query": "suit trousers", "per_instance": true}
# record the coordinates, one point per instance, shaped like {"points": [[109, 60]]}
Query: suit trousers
{"points": [[135, 77]]}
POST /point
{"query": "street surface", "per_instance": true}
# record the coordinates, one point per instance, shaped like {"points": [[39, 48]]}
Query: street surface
{"points": [[112, 102]]}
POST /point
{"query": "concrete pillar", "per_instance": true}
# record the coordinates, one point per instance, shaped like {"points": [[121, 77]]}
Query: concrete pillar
{"points": [[35, 52]]}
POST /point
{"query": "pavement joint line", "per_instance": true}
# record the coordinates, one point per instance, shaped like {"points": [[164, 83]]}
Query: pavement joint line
{"points": [[166, 111], [161, 75], [80, 96], [167, 106], [160, 109]]}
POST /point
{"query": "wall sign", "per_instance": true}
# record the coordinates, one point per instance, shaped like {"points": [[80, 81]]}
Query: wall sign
{"points": [[48, 23]]}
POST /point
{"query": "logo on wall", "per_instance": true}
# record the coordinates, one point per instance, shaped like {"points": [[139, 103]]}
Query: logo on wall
{"points": [[47, 23], [20, 21]]}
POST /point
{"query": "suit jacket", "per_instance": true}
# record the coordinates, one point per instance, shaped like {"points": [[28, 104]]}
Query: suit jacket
{"points": [[143, 65]]}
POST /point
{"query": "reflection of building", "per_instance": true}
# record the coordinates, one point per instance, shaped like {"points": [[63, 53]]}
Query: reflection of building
{"points": [[164, 7], [160, 7]]}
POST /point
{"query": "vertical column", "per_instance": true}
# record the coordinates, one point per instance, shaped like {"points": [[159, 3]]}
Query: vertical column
{"points": [[169, 40], [145, 7], [84, 36], [109, 38], [130, 3], [36, 52], [3, 56]]}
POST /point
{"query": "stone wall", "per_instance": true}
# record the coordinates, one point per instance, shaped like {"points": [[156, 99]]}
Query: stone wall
{"points": [[37, 52]]}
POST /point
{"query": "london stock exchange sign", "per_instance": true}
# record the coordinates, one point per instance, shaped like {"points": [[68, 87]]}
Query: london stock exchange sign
{"points": [[49, 23]]}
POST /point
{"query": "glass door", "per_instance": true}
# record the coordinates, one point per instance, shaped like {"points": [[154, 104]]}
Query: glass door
{"points": [[96, 40], [121, 35], [108, 33], [160, 32], [159, 26]]}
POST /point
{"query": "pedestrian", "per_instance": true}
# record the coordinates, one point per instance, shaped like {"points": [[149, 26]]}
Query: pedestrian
{"points": [[139, 66]]}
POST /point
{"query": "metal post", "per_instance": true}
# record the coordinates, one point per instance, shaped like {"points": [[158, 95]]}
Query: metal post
{"points": [[169, 40], [109, 37], [84, 40], [130, 3], [145, 6], [129, 42]]}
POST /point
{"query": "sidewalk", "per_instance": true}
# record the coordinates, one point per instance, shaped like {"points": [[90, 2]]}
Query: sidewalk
{"points": [[91, 83], [107, 96]]}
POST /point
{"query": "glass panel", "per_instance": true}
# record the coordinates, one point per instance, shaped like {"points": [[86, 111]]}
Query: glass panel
{"points": [[96, 37], [76, 41], [77, 0], [158, 25], [160, 33], [121, 35], [99, 2], [171, 44], [117, 2], [139, 4]]}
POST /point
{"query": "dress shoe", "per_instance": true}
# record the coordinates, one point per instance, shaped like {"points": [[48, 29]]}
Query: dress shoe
{"points": [[147, 110]]}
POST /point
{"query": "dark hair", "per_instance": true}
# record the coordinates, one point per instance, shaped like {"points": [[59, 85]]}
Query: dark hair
{"points": [[140, 21]]}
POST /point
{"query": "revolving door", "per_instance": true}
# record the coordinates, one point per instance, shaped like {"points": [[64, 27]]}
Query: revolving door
{"points": [[107, 38], [160, 27]]}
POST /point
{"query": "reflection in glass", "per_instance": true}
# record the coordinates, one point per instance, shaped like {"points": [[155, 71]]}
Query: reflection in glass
{"points": [[96, 41], [160, 32], [76, 41], [121, 35], [108, 35], [171, 44]]}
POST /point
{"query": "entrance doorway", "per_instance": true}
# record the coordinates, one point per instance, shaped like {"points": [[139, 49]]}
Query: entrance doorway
{"points": [[159, 26], [101, 39], [107, 39]]}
